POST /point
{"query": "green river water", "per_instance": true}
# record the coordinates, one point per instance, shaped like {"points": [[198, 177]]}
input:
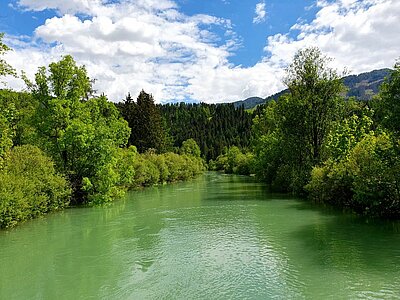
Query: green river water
{"points": [[216, 237]]}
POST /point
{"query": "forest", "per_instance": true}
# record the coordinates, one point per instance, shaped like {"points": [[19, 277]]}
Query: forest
{"points": [[61, 145]]}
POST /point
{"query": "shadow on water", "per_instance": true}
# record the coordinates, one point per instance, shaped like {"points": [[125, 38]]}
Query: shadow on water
{"points": [[346, 240]]}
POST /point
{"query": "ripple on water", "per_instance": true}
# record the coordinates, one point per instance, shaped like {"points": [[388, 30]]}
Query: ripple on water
{"points": [[220, 237]]}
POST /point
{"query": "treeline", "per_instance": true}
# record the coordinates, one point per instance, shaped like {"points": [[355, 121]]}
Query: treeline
{"points": [[61, 146], [314, 143], [214, 127]]}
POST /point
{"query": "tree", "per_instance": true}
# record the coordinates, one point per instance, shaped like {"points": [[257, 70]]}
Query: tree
{"points": [[312, 106], [30, 186], [190, 147], [6, 113], [145, 120], [5, 68], [6, 135], [81, 134], [388, 104], [290, 133]]}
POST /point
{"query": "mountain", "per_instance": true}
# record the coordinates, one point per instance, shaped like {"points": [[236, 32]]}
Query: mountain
{"points": [[362, 87], [365, 85], [249, 102]]}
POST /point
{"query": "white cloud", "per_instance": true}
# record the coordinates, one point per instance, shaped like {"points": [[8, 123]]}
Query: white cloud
{"points": [[149, 44], [360, 35], [145, 44], [260, 13]]}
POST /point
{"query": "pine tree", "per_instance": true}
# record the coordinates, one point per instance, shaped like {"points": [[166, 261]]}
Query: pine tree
{"points": [[145, 120]]}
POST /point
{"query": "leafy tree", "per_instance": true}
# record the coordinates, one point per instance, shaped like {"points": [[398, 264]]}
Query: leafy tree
{"points": [[234, 161], [5, 68], [6, 136], [151, 168], [366, 180], [388, 104], [82, 135], [346, 133], [290, 134], [6, 113], [190, 147], [313, 102]]}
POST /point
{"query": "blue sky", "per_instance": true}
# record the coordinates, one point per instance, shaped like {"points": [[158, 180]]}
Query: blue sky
{"points": [[280, 16], [208, 50]]}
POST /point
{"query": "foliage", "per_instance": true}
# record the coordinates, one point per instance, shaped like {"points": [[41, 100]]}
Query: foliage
{"points": [[30, 186], [290, 134], [190, 147], [234, 161], [144, 118], [346, 133], [366, 180], [313, 102], [19, 109], [6, 135], [82, 135], [5, 68], [388, 104], [151, 168], [213, 126]]}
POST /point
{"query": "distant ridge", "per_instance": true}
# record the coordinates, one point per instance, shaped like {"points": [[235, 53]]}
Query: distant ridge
{"points": [[363, 87]]}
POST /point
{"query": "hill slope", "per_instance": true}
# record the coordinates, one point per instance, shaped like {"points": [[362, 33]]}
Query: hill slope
{"points": [[363, 86]]}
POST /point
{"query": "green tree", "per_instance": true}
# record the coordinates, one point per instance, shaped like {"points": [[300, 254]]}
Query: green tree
{"points": [[5, 68], [81, 134], [6, 113], [346, 133], [6, 135], [313, 102], [290, 134], [144, 118], [30, 186], [366, 180], [388, 104], [190, 147]]}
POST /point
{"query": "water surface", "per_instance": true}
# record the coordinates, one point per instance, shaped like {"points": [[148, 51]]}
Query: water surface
{"points": [[216, 237]]}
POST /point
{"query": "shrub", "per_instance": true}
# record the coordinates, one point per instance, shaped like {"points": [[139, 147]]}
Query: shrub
{"points": [[367, 180], [29, 186], [234, 161], [151, 168]]}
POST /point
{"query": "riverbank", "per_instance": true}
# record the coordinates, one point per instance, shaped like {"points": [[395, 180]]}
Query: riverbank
{"points": [[30, 187]]}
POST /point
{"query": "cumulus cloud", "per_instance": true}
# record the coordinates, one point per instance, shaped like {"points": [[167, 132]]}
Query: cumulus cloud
{"points": [[360, 35], [129, 45], [260, 12]]}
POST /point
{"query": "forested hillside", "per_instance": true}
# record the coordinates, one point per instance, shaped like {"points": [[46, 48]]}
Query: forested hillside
{"points": [[363, 87], [214, 127]]}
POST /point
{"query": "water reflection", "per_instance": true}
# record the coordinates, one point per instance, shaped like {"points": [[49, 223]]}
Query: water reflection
{"points": [[212, 238]]}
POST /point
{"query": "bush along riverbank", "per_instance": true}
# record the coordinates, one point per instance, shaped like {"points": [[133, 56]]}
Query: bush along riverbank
{"points": [[315, 143]]}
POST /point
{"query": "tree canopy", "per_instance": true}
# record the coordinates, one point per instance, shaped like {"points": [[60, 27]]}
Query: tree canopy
{"points": [[81, 134]]}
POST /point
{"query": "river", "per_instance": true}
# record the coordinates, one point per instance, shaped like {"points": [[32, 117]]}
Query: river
{"points": [[216, 237]]}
